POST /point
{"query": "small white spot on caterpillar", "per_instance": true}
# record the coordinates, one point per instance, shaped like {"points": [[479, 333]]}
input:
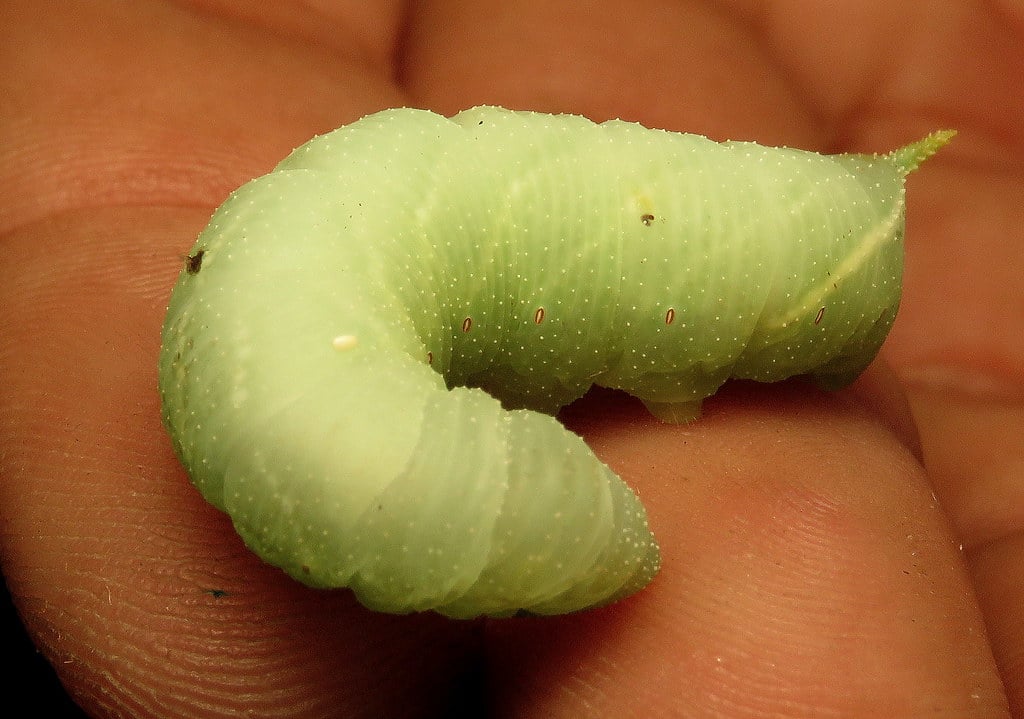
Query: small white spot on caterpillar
{"points": [[670, 316], [345, 342], [466, 324], [538, 316]]}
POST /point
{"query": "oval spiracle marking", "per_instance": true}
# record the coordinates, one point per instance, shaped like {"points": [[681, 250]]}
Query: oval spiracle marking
{"points": [[670, 316], [538, 316], [819, 316], [467, 324], [647, 219]]}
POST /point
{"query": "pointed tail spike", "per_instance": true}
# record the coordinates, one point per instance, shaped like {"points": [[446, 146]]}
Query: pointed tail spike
{"points": [[909, 158]]}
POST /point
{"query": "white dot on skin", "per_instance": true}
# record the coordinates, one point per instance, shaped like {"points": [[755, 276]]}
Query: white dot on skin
{"points": [[345, 342]]}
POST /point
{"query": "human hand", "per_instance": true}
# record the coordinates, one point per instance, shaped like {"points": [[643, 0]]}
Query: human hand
{"points": [[807, 568]]}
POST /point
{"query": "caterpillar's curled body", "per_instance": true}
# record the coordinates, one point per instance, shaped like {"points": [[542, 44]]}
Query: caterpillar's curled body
{"points": [[336, 343]]}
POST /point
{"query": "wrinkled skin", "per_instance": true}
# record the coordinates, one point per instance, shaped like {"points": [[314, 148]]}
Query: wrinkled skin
{"points": [[851, 554]]}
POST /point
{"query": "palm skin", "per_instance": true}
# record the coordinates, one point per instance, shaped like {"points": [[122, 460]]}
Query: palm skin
{"points": [[854, 553]]}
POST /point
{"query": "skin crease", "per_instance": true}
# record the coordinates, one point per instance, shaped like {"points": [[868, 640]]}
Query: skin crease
{"points": [[812, 562]]}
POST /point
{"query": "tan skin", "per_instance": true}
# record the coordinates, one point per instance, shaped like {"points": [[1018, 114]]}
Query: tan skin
{"points": [[809, 569]]}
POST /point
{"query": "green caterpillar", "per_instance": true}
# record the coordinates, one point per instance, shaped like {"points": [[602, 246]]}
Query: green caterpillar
{"points": [[338, 342]]}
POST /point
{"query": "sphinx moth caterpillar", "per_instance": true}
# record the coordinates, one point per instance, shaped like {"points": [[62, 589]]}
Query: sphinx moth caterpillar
{"points": [[364, 372]]}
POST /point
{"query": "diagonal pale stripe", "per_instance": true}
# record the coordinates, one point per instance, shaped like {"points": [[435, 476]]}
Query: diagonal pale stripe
{"points": [[868, 246]]}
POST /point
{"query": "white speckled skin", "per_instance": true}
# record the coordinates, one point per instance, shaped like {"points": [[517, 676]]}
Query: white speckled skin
{"points": [[318, 356]]}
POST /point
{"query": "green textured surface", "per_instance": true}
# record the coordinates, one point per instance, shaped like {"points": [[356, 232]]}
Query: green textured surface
{"points": [[307, 361]]}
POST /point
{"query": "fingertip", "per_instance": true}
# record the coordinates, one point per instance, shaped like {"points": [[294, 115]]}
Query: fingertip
{"points": [[806, 564]]}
